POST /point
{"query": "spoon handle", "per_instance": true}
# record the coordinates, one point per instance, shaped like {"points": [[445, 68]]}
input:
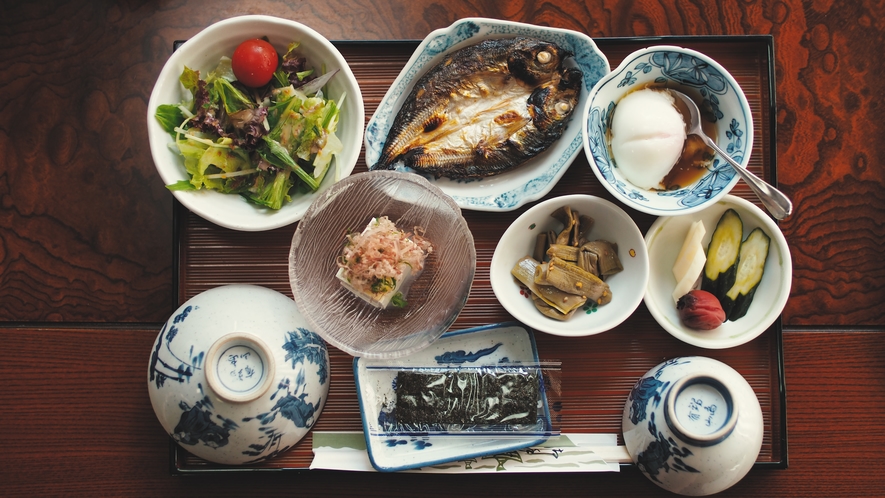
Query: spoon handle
{"points": [[774, 200]]}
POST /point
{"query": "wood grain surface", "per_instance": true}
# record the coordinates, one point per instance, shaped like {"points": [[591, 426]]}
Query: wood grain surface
{"points": [[87, 262]]}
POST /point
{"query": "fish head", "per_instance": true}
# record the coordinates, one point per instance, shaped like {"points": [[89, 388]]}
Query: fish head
{"points": [[535, 61], [552, 104]]}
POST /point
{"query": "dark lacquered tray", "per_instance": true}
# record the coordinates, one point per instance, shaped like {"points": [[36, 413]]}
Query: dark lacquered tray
{"points": [[597, 371]]}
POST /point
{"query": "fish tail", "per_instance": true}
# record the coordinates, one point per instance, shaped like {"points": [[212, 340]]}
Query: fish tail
{"points": [[386, 161], [382, 164]]}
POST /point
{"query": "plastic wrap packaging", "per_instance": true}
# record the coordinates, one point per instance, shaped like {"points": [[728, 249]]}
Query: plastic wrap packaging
{"points": [[491, 400]]}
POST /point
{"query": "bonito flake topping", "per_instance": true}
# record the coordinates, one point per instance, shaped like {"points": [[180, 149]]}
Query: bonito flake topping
{"points": [[379, 263]]}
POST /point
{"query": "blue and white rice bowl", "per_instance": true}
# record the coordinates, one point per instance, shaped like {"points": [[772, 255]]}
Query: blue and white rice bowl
{"points": [[236, 376], [719, 98], [693, 425], [537, 176]]}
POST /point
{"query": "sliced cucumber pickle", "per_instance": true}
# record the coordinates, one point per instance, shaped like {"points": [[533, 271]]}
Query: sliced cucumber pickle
{"points": [[722, 255], [751, 266]]}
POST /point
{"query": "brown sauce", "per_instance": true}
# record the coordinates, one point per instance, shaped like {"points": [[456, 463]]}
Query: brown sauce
{"points": [[696, 155], [691, 166]]}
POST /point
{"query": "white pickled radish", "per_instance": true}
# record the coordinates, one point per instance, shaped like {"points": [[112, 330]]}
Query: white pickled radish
{"points": [[693, 241], [690, 261], [697, 259]]}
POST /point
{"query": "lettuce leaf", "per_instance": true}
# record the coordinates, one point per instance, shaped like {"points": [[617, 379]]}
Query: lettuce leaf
{"points": [[231, 97], [169, 116], [234, 140], [271, 194]]}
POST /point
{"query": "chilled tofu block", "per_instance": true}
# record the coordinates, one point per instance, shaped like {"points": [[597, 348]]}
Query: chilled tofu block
{"points": [[380, 299], [380, 263]]}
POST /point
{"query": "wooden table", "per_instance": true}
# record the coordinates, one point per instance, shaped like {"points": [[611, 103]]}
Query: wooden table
{"points": [[88, 265]]}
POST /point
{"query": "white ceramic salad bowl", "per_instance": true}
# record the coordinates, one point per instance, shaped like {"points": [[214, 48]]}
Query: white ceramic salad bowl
{"points": [[202, 52], [535, 178]]}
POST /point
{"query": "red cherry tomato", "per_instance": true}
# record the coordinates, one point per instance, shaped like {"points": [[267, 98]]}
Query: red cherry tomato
{"points": [[254, 62]]}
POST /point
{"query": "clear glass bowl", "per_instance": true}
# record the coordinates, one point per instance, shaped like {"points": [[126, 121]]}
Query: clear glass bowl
{"points": [[435, 298]]}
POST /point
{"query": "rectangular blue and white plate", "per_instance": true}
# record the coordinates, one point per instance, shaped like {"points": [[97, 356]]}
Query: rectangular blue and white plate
{"points": [[504, 343]]}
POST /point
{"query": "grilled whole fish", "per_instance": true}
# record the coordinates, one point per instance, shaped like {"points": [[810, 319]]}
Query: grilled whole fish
{"points": [[484, 109]]}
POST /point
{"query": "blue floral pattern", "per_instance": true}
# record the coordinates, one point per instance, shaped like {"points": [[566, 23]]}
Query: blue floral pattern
{"points": [[161, 370], [200, 424], [665, 68], [662, 453], [649, 389], [490, 195], [301, 346], [197, 425], [462, 356], [418, 444]]}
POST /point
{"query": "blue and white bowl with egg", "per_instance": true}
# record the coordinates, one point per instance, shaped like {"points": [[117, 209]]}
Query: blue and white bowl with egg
{"points": [[636, 154]]}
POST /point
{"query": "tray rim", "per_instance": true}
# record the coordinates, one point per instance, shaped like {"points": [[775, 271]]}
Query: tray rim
{"points": [[179, 213]]}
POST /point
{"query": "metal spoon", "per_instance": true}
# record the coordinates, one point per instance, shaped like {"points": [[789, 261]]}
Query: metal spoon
{"points": [[777, 203]]}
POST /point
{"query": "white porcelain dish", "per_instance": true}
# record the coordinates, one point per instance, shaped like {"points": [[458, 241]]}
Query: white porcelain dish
{"points": [[532, 180], [664, 240], [487, 345], [720, 100], [612, 224], [202, 52]]}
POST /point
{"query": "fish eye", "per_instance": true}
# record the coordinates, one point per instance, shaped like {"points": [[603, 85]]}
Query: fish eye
{"points": [[563, 107], [544, 57]]}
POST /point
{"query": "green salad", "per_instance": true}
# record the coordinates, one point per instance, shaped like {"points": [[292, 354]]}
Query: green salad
{"points": [[265, 144]]}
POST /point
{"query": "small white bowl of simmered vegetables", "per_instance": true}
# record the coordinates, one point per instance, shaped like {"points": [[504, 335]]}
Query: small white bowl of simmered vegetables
{"points": [[719, 277], [573, 265]]}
